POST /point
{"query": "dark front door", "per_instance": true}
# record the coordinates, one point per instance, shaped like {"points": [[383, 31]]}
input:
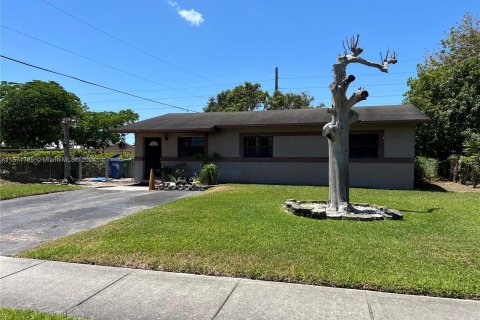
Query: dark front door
{"points": [[153, 152]]}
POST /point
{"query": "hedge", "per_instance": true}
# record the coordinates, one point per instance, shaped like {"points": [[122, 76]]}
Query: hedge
{"points": [[465, 169]]}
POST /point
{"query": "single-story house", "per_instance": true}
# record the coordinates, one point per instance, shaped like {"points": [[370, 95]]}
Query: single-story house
{"points": [[120, 147], [281, 147]]}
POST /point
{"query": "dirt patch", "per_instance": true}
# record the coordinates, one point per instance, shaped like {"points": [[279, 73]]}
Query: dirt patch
{"points": [[222, 188], [444, 186], [456, 187], [4, 183]]}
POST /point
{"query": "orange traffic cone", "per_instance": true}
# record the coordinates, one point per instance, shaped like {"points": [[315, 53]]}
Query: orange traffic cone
{"points": [[151, 182]]}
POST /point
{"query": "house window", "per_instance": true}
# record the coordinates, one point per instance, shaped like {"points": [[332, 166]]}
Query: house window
{"points": [[364, 145], [189, 146], [258, 146]]}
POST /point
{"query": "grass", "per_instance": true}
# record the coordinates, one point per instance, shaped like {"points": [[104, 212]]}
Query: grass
{"points": [[10, 190], [15, 314], [242, 231]]}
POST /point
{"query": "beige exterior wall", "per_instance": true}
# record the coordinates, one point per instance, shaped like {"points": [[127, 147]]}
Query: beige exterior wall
{"points": [[300, 146], [382, 175], [395, 171], [400, 141], [225, 143], [373, 175], [294, 173]]}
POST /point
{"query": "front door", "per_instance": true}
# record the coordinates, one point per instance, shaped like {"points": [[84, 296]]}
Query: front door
{"points": [[153, 152]]}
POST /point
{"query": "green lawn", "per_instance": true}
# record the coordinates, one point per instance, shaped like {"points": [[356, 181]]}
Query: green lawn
{"points": [[10, 190], [14, 314], [242, 231]]}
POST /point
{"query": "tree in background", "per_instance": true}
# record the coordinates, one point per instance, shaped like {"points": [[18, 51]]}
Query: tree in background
{"points": [[447, 89], [93, 129], [31, 117], [289, 100], [6, 87], [31, 113], [245, 97], [250, 97]]}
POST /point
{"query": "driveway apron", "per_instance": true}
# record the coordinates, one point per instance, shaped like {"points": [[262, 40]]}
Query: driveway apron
{"points": [[29, 221]]}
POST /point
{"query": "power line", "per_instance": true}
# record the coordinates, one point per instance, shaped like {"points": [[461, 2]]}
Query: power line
{"points": [[154, 108], [361, 74], [322, 97], [92, 83], [129, 100], [194, 87], [363, 85], [240, 83], [129, 44], [95, 61]]}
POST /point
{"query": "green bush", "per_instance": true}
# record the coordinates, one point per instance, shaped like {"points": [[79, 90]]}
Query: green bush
{"points": [[471, 145], [209, 174], [465, 169], [425, 169], [58, 154]]}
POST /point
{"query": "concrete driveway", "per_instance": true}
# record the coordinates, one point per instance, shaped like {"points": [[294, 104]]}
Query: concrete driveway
{"points": [[27, 222]]}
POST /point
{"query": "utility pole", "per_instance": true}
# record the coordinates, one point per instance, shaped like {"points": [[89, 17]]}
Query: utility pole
{"points": [[276, 79], [67, 170]]}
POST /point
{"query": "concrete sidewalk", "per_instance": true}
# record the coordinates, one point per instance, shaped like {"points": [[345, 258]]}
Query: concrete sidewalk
{"points": [[97, 292]]}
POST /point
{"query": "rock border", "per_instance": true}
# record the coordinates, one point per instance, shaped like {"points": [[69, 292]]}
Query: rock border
{"points": [[170, 186], [316, 209]]}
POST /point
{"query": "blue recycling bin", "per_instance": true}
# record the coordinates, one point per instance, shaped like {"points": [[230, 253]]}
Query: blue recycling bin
{"points": [[115, 167]]}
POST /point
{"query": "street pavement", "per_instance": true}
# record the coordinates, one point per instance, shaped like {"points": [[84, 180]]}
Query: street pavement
{"points": [[26, 222], [98, 292]]}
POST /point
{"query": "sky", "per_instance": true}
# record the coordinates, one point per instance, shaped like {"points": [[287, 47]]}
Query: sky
{"points": [[180, 53]]}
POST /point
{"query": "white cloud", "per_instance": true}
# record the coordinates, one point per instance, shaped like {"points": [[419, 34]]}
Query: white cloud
{"points": [[194, 17], [173, 3]]}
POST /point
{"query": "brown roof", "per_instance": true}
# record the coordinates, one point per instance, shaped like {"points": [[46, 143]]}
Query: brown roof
{"points": [[212, 121]]}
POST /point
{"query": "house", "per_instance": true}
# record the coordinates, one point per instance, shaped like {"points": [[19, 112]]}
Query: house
{"points": [[281, 147], [120, 147]]}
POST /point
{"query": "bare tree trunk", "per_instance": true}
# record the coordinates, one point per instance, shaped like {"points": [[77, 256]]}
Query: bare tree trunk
{"points": [[337, 131]]}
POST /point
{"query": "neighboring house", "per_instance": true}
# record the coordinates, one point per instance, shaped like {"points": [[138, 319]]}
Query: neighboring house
{"points": [[120, 147], [281, 147]]}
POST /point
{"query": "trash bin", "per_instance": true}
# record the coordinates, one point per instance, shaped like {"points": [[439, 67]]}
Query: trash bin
{"points": [[115, 167], [127, 171]]}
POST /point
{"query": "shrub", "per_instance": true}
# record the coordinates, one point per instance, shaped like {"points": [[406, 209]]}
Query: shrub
{"points": [[465, 169], [206, 158], [166, 173], [58, 154], [425, 169], [471, 145], [209, 173]]}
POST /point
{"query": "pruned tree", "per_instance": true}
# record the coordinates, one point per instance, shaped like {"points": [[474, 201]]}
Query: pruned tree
{"points": [[338, 129]]}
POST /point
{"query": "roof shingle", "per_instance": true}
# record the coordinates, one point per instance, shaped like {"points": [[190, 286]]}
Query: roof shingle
{"points": [[211, 121]]}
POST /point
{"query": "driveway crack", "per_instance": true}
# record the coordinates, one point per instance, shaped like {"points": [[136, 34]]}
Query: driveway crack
{"points": [[226, 299]]}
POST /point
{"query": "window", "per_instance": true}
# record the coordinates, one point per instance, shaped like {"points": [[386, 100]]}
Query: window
{"points": [[364, 145], [188, 146], [258, 146]]}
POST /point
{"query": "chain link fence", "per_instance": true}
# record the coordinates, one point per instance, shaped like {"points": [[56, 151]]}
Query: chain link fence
{"points": [[35, 170]]}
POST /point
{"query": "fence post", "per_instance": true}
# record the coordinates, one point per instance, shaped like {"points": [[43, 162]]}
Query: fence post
{"points": [[79, 169], [106, 169], [132, 171]]}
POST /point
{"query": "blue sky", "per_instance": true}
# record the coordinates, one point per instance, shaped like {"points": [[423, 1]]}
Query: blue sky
{"points": [[199, 48]]}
